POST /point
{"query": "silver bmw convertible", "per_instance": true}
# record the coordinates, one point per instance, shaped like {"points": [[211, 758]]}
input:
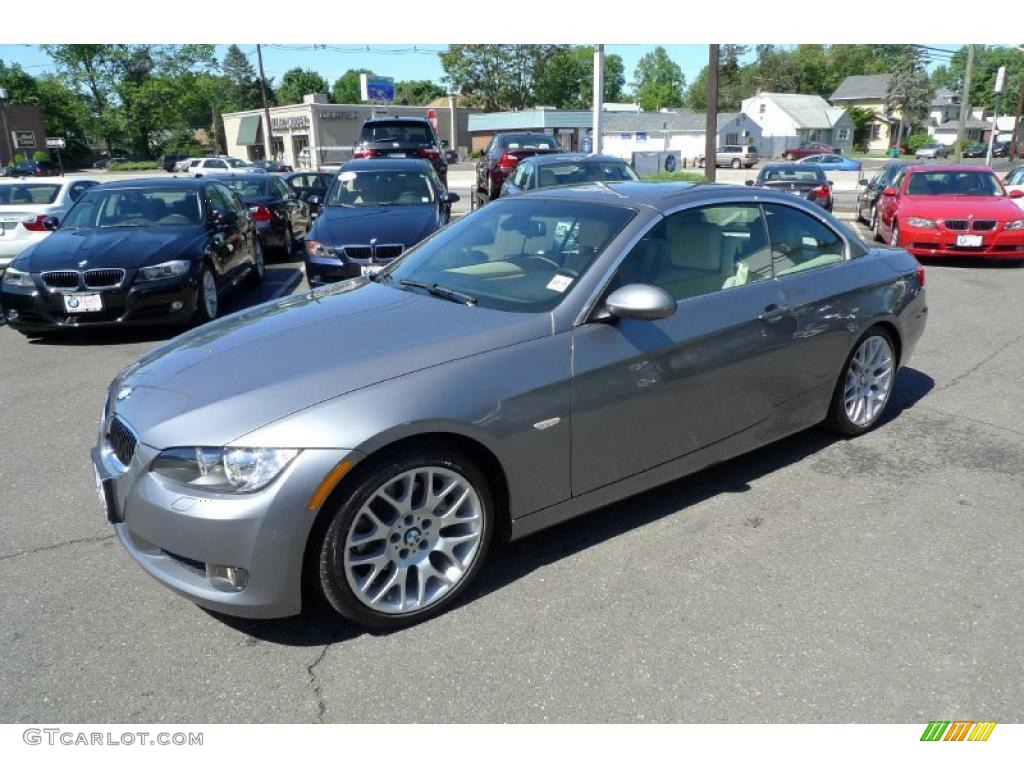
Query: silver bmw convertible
{"points": [[546, 355]]}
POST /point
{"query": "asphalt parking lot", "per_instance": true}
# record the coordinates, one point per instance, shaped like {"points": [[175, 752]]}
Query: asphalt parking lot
{"points": [[816, 580]]}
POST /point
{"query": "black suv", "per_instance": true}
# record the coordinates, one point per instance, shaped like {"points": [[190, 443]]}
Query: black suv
{"points": [[402, 137], [169, 161]]}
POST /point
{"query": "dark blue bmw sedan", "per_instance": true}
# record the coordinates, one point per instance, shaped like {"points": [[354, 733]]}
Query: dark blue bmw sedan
{"points": [[374, 211]]}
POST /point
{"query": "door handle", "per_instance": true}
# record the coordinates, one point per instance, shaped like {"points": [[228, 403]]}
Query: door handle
{"points": [[773, 313]]}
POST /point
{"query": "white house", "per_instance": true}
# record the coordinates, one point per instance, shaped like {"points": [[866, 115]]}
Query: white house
{"points": [[787, 119], [626, 133]]}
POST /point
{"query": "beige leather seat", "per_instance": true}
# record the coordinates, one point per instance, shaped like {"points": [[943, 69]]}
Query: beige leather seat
{"points": [[697, 258]]}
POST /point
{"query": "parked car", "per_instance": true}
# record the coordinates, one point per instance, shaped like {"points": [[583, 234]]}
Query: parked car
{"points": [[181, 166], [503, 154], [548, 355], [170, 162], [449, 154], [8, 171], [976, 150], [807, 181], [735, 156], [809, 148], [543, 171], [25, 205], [278, 213], [867, 198], [143, 252], [374, 211], [1000, 149], [401, 138], [307, 184], [952, 210], [272, 166], [105, 162], [201, 166], [933, 151], [1014, 181], [35, 168], [832, 162]]}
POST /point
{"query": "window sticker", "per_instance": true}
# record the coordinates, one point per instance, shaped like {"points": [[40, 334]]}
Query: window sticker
{"points": [[559, 283]]}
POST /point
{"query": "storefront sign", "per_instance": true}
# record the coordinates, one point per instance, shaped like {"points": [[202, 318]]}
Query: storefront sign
{"points": [[24, 139], [338, 115], [55, 144], [286, 123]]}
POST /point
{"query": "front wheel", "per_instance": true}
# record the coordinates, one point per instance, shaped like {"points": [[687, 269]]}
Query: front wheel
{"points": [[408, 539], [894, 237], [207, 301], [864, 386], [259, 264]]}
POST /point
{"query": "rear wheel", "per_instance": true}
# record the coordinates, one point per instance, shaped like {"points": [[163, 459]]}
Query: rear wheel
{"points": [[207, 301], [408, 539], [289, 240], [259, 266], [864, 386], [492, 190]]}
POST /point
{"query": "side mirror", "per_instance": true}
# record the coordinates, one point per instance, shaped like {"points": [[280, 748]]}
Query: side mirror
{"points": [[889, 192], [863, 182], [640, 301], [831, 183], [452, 197], [52, 222], [1016, 194], [313, 199], [749, 182]]}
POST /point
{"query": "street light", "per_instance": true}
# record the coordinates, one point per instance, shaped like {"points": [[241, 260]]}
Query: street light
{"points": [[5, 97]]}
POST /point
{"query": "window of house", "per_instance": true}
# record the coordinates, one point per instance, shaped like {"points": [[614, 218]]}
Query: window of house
{"points": [[844, 134], [876, 131], [732, 138], [761, 107]]}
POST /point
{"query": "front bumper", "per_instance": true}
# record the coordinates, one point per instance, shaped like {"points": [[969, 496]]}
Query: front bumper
{"points": [[40, 309], [941, 242], [321, 270], [178, 534]]}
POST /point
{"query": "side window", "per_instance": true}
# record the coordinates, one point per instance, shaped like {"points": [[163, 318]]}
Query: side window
{"points": [[517, 176], [800, 242], [230, 199], [527, 181], [215, 199], [78, 189], [216, 164], [700, 251], [897, 180], [281, 189]]}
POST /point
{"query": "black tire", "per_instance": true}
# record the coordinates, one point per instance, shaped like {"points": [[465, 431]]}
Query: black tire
{"points": [[288, 247], [492, 192], [259, 268], [359, 489], [837, 420], [203, 312], [894, 234]]}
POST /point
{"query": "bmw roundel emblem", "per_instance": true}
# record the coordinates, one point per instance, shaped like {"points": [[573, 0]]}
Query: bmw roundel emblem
{"points": [[72, 302], [123, 393]]}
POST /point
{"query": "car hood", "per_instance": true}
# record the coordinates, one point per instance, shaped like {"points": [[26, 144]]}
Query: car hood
{"points": [[959, 207], [221, 381], [126, 247], [405, 224]]}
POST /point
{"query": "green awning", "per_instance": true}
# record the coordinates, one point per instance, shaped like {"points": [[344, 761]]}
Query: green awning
{"points": [[249, 130]]}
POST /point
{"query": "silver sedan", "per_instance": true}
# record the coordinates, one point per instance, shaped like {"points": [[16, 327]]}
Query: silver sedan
{"points": [[546, 355]]}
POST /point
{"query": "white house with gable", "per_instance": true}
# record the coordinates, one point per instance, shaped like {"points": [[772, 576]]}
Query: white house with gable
{"points": [[787, 119]]}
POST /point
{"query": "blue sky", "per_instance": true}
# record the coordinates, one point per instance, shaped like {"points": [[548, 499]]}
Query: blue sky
{"points": [[398, 60]]}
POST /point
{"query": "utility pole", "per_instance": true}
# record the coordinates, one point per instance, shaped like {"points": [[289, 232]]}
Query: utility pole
{"points": [[711, 122], [1014, 140], [1000, 87], [595, 143], [268, 145], [965, 105]]}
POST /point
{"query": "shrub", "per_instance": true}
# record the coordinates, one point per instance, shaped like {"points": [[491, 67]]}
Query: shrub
{"points": [[476, 154], [40, 155], [918, 140], [143, 165], [675, 176], [19, 158]]}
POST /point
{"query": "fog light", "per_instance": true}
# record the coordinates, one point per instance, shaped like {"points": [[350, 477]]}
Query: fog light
{"points": [[227, 578], [12, 314], [177, 305]]}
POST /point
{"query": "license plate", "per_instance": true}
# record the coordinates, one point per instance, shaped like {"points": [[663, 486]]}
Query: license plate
{"points": [[83, 302], [396, 154], [968, 241], [370, 270]]}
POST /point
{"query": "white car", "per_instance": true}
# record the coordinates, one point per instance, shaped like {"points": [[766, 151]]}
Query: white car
{"points": [[200, 166], [25, 204], [1015, 180]]}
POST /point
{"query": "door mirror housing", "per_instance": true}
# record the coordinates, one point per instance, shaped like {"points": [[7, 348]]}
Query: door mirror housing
{"points": [[640, 301], [863, 182], [451, 197], [749, 182], [1016, 194], [313, 199], [51, 223], [889, 192]]}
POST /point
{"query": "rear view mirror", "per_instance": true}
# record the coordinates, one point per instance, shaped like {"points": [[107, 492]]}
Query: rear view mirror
{"points": [[525, 227], [889, 192], [640, 301], [52, 222]]}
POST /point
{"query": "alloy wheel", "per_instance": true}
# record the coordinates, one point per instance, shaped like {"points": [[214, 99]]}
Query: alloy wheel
{"points": [[413, 540], [209, 294], [869, 380], [894, 240], [261, 265]]}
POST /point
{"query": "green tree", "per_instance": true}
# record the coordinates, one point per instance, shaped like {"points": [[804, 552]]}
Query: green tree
{"points": [[346, 87], [417, 92], [658, 81], [241, 85], [496, 77], [862, 118], [297, 82], [910, 90], [566, 80]]}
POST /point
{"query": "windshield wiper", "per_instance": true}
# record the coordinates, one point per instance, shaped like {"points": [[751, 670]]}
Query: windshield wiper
{"points": [[439, 290]]}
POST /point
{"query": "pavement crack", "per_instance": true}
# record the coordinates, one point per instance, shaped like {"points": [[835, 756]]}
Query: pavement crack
{"points": [[58, 545], [314, 683], [987, 359]]}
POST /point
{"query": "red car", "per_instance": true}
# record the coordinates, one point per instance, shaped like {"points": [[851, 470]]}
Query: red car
{"points": [[951, 210], [808, 148], [503, 155]]}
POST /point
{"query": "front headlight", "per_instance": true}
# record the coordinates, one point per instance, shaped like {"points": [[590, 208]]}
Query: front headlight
{"points": [[917, 223], [166, 269], [1012, 226], [14, 276], [231, 470], [320, 250]]}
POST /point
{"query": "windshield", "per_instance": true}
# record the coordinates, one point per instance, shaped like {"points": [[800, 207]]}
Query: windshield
{"points": [[247, 188], [381, 188], [528, 141], [28, 194], [1015, 177], [236, 163], [134, 208], [515, 254], [411, 132], [769, 175], [960, 183], [558, 174]]}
